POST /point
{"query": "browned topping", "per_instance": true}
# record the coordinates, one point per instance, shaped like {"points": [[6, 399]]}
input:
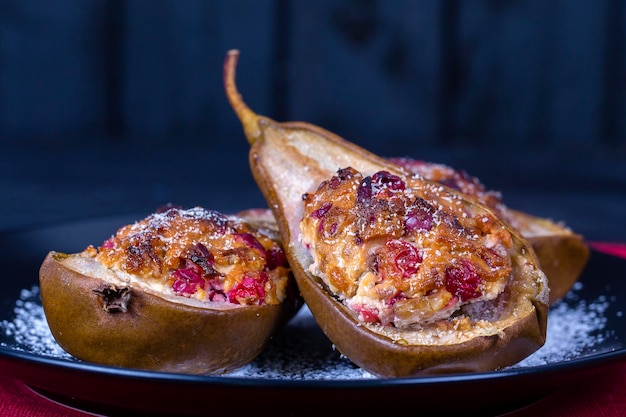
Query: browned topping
{"points": [[454, 178], [471, 186], [201, 254], [403, 251]]}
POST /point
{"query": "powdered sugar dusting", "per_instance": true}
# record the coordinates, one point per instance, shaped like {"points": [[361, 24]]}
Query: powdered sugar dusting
{"points": [[29, 329], [302, 352], [573, 329]]}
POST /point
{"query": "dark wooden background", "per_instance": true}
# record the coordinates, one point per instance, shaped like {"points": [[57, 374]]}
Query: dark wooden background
{"points": [[106, 104], [402, 72]]}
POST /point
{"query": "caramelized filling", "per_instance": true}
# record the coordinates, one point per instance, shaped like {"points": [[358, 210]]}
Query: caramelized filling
{"points": [[403, 252], [201, 254]]}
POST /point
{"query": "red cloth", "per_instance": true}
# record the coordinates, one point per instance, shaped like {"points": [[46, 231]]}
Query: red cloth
{"points": [[603, 396], [17, 400], [610, 248]]}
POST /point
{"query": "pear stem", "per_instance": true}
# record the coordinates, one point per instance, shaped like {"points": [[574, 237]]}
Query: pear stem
{"points": [[248, 118]]}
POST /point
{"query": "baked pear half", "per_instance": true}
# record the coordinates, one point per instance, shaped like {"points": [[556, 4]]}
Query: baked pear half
{"points": [[405, 276], [562, 253], [182, 290]]}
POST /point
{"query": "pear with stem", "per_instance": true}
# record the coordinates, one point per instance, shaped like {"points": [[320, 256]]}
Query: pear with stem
{"points": [[289, 160]]}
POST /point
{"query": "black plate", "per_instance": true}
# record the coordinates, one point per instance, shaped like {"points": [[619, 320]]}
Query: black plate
{"points": [[300, 373]]}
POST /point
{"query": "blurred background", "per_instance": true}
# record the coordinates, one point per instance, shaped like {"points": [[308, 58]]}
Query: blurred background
{"points": [[110, 107]]}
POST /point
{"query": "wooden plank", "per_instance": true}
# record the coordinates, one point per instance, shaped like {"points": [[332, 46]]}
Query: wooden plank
{"points": [[578, 73], [393, 76], [532, 73], [614, 106], [499, 74], [50, 69], [368, 71], [174, 55]]}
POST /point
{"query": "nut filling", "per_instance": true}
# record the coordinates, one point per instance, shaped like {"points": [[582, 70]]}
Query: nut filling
{"points": [[199, 254], [403, 252]]}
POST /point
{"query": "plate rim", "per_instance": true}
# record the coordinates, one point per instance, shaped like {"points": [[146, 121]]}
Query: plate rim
{"points": [[602, 358]]}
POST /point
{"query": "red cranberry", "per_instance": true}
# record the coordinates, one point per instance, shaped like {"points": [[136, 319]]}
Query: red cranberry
{"points": [[401, 257], [109, 243], [187, 281], [366, 314], [388, 180], [321, 212], [249, 291], [420, 216], [364, 192], [462, 280], [275, 257], [250, 241]]}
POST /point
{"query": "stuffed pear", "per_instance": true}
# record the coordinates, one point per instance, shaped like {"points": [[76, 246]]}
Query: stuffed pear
{"points": [[183, 290], [404, 276]]}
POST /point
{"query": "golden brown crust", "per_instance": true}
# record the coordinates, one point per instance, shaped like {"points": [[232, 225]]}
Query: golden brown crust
{"points": [[453, 178], [199, 253]]}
